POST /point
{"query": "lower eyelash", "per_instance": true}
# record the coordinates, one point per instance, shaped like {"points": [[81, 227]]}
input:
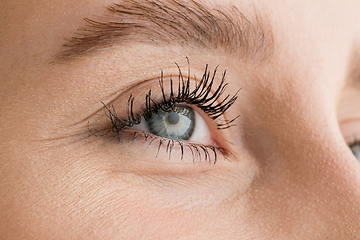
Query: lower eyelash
{"points": [[197, 150]]}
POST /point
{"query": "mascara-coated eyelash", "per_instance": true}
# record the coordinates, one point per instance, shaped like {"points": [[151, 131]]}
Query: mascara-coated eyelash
{"points": [[201, 97], [180, 93]]}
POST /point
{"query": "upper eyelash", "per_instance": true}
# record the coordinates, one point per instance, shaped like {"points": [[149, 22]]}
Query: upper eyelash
{"points": [[201, 97], [353, 143]]}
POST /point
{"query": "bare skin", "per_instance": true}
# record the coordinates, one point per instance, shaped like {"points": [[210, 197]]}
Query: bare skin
{"points": [[292, 174]]}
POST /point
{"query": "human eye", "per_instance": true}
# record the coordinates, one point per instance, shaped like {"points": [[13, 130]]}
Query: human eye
{"points": [[175, 114], [351, 133]]}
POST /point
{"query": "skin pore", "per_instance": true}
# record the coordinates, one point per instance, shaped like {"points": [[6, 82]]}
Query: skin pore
{"points": [[290, 174]]}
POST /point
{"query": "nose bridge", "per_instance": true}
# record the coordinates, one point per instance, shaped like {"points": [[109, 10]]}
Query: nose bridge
{"points": [[307, 173]]}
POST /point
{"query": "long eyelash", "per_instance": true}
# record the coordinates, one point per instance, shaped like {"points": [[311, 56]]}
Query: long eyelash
{"points": [[201, 96]]}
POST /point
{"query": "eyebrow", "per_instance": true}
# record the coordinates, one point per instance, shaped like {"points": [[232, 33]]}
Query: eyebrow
{"points": [[190, 24]]}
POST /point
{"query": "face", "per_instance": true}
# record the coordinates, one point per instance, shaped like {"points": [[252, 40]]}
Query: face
{"points": [[222, 120]]}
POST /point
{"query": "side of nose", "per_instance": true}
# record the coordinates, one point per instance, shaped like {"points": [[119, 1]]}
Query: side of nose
{"points": [[309, 181]]}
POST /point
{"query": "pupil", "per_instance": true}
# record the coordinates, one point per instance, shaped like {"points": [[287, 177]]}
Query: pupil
{"points": [[172, 118]]}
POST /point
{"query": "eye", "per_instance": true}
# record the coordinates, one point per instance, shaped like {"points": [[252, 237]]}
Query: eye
{"points": [[179, 123], [182, 116], [355, 148]]}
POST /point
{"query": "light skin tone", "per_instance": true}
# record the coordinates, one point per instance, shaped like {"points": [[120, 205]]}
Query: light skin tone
{"points": [[290, 173]]}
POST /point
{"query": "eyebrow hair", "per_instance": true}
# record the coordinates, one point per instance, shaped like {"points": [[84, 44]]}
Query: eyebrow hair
{"points": [[189, 23]]}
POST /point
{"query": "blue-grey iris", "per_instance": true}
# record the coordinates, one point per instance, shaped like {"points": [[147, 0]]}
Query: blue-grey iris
{"points": [[178, 123]]}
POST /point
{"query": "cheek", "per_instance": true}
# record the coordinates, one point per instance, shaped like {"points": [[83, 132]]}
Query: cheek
{"points": [[57, 196]]}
